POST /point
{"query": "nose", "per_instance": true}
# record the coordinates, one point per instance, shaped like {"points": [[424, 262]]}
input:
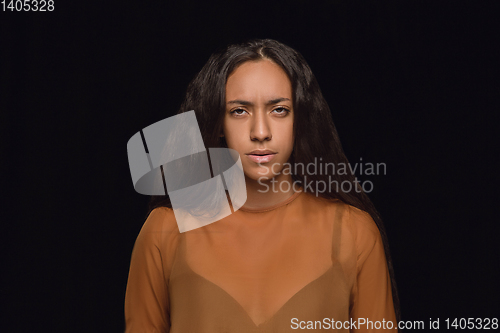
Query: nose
{"points": [[260, 130]]}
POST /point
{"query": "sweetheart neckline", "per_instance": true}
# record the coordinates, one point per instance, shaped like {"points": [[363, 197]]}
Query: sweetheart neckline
{"points": [[270, 319]]}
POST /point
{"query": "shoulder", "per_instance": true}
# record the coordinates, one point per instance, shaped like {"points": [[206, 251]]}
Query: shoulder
{"points": [[361, 222], [162, 218], [361, 227], [160, 224], [351, 217]]}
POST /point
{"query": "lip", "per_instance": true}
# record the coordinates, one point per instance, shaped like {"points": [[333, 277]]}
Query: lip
{"points": [[261, 155]]}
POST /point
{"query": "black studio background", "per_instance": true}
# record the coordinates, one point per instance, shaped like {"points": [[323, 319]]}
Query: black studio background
{"points": [[413, 84]]}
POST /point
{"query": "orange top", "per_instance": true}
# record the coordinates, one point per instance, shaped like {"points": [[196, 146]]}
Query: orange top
{"points": [[305, 263]]}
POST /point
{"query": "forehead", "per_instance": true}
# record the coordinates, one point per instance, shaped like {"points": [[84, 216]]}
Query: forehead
{"points": [[255, 79]]}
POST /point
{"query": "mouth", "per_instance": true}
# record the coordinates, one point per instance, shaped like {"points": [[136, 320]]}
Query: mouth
{"points": [[261, 157]]}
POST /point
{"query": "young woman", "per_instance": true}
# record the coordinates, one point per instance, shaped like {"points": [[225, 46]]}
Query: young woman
{"points": [[298, 254]]}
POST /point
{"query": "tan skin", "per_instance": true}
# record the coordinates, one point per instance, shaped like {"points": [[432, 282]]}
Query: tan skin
{"points": [[259, 115]]}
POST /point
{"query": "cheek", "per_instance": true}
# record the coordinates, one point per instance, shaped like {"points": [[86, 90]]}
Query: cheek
{"points": [[288, 138], [233, 133], [228, 134], [233, 140]]}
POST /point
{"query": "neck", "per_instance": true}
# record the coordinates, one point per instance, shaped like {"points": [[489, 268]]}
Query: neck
{"points": [[267, 193]]}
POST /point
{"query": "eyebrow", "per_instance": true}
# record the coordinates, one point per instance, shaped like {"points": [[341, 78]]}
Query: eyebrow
{"points": [[272, 101]]}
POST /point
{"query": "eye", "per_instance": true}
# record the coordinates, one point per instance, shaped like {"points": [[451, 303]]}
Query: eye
{"points": [[238, 112], [282, 111]]}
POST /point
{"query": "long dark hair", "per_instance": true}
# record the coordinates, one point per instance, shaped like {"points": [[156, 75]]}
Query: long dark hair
{"points": [[315, 133]]}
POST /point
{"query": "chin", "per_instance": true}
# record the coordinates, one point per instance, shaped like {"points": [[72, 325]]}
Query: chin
{"points": [[263, 172], [259, 175]]}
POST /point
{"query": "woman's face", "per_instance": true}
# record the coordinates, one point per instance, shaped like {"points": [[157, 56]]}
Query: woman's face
{"points": [[259, 117]]}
